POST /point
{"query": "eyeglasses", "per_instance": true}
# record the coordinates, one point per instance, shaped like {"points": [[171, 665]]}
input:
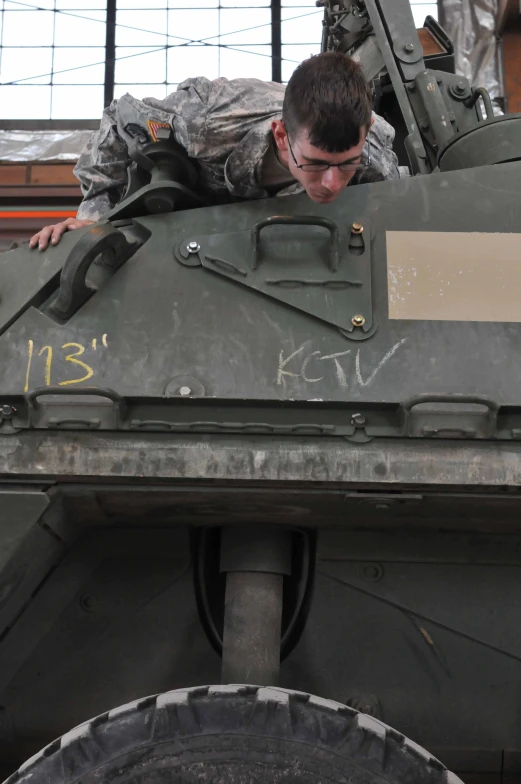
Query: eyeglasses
{"points": [[319, 167]]}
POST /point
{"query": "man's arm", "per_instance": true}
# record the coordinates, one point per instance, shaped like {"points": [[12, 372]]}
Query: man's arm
{"points": [[102, 172], [102, 168], [383, 158]]}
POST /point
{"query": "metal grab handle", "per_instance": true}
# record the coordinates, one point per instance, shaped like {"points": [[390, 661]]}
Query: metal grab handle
{"points": [[478, 93], [458, 399], [298, 220], [449, 431], [32, 396], [90, 424], [73, 291]]}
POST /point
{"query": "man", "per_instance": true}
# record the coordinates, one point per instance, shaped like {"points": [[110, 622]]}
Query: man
{"points": [[250, 139]]}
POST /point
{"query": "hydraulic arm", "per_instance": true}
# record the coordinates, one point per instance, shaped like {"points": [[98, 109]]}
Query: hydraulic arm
{"points": [[436, 106]]}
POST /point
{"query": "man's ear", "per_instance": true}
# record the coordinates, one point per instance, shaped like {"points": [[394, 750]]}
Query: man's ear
{"points": [[280, 135]]}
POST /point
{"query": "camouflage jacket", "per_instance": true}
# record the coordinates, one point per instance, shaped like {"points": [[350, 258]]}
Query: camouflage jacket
{"points": [[224, 125]]}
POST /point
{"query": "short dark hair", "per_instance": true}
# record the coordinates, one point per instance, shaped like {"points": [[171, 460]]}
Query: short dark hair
{"points": [[328, 96]]}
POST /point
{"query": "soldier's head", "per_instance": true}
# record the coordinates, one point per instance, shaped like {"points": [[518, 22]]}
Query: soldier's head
{"points": [[326, 115]]}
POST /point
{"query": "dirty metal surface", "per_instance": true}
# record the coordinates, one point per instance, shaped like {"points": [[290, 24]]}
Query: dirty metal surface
{"points": [[262, 459], [156, 320]]}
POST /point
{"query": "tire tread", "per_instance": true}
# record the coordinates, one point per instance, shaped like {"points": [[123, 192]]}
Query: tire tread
{"points": [[370, 743]]}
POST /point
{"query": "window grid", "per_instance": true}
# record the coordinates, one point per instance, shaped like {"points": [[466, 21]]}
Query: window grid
{"points": [[52, 58], [231, 38], [245, 38]]}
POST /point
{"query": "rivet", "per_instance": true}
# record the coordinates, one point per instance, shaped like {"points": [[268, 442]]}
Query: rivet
{"points": [[358, 320], [373, 572], [88, 602], [193, 247], [358, 420], [185, 391], [357, 228], [460, 89]]}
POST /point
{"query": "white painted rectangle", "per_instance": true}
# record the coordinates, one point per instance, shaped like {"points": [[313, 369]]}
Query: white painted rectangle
{"points": [[454, 276]]}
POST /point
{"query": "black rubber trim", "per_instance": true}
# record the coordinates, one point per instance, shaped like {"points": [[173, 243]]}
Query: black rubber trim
{"points": [[242, 712]]}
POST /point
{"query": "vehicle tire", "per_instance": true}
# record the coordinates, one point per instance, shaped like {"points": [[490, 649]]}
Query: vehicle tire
{"points": [[233, 735]]}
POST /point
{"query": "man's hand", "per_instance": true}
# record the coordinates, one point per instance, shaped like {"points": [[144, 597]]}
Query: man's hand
{"points": [[55, 232]]}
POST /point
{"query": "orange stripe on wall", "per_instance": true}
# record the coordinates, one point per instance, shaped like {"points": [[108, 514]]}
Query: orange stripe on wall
{"points": [[39, 214]]}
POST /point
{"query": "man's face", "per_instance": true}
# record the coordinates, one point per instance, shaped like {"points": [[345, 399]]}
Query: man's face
{"points": [[322, 187]]}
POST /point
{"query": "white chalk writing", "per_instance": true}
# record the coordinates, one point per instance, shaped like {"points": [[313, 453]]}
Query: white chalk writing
{"points": [[344, 366]]}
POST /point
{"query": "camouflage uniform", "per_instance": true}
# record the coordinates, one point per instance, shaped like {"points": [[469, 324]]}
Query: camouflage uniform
{"points": [[224, 125]]}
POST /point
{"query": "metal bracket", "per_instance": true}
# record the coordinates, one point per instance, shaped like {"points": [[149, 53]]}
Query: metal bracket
{"points": [[155, 198], [359, 434], [74, 291], [7, 417], [332, 283], [173, 179]]}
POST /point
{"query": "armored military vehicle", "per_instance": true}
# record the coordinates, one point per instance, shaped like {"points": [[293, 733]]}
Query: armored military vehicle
{"points": [[278, 445]]}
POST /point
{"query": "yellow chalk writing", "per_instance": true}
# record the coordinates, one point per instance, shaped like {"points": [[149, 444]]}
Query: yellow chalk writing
{"points": [[72, 358], [33, 370], [30, 349], [48, 363]]}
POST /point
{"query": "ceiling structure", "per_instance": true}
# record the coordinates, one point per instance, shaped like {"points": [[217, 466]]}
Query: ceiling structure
{"points": [[66, 59]]}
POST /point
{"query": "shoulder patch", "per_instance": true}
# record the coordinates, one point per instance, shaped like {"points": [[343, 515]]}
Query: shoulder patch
{"points": [[158, 130]]}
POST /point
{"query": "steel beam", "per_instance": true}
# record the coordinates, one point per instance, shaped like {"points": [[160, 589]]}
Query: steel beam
{"points": [[110, 52], [276, 42], [300, 460]]}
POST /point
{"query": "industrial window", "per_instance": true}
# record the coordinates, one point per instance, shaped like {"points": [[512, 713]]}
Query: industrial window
{"points": [[422, 9], [52, 55], [53, 61], [228, 38]]}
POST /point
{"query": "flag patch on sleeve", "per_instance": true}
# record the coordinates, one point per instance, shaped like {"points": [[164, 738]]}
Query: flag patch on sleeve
{"points": [[159, 131]]}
